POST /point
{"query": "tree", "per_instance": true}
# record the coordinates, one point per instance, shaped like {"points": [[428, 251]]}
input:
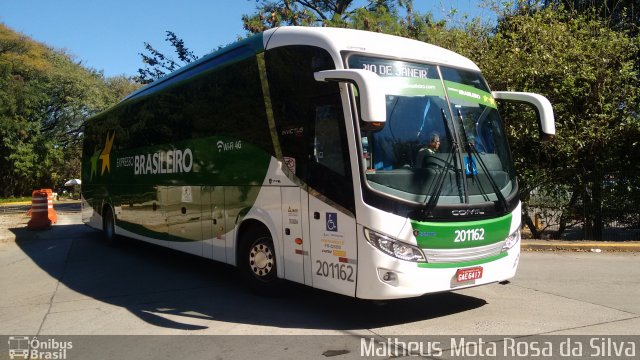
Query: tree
{"points": [[158, 64], [45, 98], [375, 15], [616, 14], [586, 69], [271, 14]]}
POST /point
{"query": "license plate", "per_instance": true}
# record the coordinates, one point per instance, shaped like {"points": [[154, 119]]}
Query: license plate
{"points": [[464, 275]]}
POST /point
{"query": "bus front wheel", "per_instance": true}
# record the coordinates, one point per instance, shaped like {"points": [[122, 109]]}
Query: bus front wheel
{"points": [[258, 261]]}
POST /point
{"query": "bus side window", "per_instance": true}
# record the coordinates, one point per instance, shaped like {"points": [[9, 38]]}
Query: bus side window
{"points": [[329, 168], [328, 148], [310, 120]]}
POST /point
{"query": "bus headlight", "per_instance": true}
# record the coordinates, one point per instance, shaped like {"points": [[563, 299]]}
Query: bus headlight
{"points": [[392, 247], [511, 240]]}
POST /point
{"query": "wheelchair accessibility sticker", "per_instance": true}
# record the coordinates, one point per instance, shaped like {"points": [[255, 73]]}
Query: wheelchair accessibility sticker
{"points": [[332, 222]]}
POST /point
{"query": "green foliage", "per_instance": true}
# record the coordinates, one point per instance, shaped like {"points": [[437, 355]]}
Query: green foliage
{"points": [[586, 69], [375, 15], [15, 199], [617, 14], [45, 97]]}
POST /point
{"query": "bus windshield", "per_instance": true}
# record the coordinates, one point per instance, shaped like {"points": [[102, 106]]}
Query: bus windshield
{"points": [[423, 151]]}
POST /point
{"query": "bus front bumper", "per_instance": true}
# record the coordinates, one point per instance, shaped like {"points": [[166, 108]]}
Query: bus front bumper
{"points": [[381, 276]]}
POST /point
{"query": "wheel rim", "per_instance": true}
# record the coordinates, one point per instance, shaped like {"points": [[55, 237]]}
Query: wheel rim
{"points": [[261, 260]]}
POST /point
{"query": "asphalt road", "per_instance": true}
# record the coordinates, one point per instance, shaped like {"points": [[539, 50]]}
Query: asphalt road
{"points": [[66, 281]]}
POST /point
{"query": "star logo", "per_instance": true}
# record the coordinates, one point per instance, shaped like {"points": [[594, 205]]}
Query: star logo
{"points": [[94, 162], [488, 99], [104, 156]]}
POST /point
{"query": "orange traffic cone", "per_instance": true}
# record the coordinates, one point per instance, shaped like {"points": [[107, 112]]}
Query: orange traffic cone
{"points": [[39, 213], [51, 213]]}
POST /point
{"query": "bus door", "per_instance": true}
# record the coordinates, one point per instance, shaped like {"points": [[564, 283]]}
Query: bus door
{"points": [[332, 226], [213, 223], [310, 124]]}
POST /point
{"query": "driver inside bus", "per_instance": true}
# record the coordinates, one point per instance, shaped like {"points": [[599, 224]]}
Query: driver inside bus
{"points": [[430, 149]]}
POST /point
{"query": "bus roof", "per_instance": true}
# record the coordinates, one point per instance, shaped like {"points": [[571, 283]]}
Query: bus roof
{"points": [[339, 39], [253, 44], [336, 40]]}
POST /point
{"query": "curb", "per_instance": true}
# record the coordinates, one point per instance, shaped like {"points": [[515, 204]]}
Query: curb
{"points": [[16, 203], [21, 203], [592, 246]]}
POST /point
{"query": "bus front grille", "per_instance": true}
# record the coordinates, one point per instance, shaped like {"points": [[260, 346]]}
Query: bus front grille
{"points": [[462, 255]]}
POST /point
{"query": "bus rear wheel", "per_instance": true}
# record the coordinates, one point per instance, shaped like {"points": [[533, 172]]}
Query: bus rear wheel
{"points": [[109, 227], [258, 262]]}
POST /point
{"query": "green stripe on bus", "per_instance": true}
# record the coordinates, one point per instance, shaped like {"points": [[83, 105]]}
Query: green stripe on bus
{"points": [[470, 94], [216, 160], [464, 234]]}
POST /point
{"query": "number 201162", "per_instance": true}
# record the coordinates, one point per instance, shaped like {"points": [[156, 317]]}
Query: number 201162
{"points": [[469, 235], [335, 271]]}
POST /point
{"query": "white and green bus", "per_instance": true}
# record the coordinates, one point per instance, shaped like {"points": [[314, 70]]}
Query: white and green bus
{"points": [[305, 154]]}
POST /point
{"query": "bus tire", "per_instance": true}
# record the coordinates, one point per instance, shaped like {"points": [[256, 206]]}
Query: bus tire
{"points": [[109, 227], [258, 262]]}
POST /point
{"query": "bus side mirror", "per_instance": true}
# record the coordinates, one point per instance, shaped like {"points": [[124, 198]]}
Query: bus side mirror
{"points": [[541, 105], [373, 106]]}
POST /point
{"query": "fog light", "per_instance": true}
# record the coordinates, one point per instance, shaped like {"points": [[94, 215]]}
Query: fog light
{"points": [[388, 276]]}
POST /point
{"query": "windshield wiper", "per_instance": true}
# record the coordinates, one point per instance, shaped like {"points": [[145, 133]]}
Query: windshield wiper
{"points": [[433, 199], [471, 148]]}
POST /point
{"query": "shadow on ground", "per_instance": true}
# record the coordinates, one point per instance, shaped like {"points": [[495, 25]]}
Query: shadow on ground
{"points": [[157, 284]]}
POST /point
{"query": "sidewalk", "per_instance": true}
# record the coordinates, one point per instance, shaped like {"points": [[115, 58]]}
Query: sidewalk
{"points": [[579, 245], [14, 219]]}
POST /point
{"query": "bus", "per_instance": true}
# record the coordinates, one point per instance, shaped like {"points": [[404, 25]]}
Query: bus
{"points": [[304, 154]]}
